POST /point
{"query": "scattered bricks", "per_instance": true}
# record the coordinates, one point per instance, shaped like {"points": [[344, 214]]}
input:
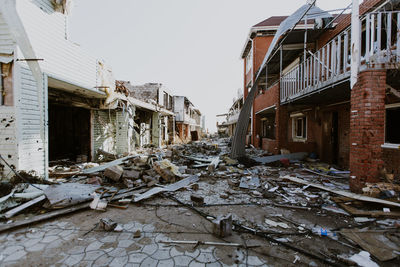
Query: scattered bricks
{"points": [[114, 172], [131, 174], [147, 178], [224, 196], [222, 167], [152, 183], [199, 200], [222, 226], [137, 234], [107, 224], [194, 187], [151, 173], [128, 182], [95, 180], [138, 182]]}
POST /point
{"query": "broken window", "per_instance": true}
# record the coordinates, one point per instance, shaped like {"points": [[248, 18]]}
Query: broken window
{"points": [[249, 60], [392, 125], [299, 127]]}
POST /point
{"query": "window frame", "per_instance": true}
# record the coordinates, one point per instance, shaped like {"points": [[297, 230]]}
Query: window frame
{"points": [[387, 144], [295, 118]]}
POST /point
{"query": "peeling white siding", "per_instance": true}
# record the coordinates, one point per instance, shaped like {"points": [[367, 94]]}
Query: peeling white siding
{"points": [[61, 58], [30, 147], [104, 130], [45, 5], [7, 43], [8, 144]]}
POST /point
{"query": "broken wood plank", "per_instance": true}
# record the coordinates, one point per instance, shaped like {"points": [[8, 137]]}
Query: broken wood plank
{"points": [[198, 159], [201, 243], [341, 192], [56, 213], [375, 243], [20, 208], [108, 164], [213, 165], [292, 156], [172, 187], [357, 212], [324, 175]]}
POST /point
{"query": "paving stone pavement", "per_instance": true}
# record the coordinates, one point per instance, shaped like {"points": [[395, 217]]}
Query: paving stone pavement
{"points": [[64, 244]]}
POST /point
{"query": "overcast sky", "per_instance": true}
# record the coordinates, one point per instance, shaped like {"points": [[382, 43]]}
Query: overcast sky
{"points": [[191, 46]]}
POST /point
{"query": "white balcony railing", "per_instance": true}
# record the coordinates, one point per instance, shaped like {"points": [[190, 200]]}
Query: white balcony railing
{"points": [[380, 44]]}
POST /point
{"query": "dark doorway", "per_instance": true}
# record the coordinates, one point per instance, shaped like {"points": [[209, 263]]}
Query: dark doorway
{"points": [[69, 133], [330, 137]]}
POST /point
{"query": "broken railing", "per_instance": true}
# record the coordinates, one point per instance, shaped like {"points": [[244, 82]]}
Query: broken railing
{"points": [[380, 44]]}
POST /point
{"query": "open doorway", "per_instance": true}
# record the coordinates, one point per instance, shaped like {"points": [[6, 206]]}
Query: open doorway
{"points": [[330, 137], [69, 133]]}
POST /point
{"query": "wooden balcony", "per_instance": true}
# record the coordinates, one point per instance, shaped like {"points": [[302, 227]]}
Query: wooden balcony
{"points": [[330, 65]]}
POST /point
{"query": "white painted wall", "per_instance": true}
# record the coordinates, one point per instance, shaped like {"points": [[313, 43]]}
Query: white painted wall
{"points": [[122, 139], [31, 150], [8, 143], [179, 108], [7, 44], [63, 59]]}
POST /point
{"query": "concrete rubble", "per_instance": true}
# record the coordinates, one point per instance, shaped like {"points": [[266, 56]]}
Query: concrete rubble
{"points": [[283, 214]]}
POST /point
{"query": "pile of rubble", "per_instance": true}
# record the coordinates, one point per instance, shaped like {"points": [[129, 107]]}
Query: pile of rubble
{"points": [[285, 199]]}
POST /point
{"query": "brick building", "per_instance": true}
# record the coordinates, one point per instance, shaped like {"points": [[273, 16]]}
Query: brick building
{"points": [[303, 100]]}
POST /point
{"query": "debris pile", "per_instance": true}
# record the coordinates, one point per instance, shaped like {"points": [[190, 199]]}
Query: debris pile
{"points": [[284, 199]]}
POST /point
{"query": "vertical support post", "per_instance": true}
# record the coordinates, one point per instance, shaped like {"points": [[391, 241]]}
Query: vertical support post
{"points": [[379, 32], [372, 34], [355, 43], [338, 55], [367, 37], [398, 38], [345, 51], [388, 31]]}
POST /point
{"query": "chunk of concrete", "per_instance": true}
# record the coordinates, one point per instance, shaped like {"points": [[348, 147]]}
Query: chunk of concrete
{"points": [[222, 226], [199, 200], [131, 174], [114, 172]]}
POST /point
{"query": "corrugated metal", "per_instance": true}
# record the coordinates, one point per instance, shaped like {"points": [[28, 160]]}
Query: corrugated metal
{"points": [[62, 58], [45, 5], [7, 44], [8, 144], [32, 154], [104, 130]]}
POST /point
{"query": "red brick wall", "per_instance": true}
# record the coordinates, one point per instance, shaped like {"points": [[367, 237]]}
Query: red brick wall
{"points": [[268, 98], [260, 48], [269, 145], [391, 158], [367, 127]]}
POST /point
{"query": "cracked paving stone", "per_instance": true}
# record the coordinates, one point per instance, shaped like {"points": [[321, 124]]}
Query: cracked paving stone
{"points": [[31, 242], [35, 234], [118, 252], [77, 250], [125, 236], [174, 252], [94, 246], [66, 233], [128, 226], [149, 262], [205, 258], [150, 249], [62, 224], [196, 264], [49, 238], [12, 249], [193, 254], [109, 239], [148, 228], [74, 259], [207, 249], [214, 264], [137, 257], [253, 260], [53, 232], [119, 261], [125, 243], [85, 264], [103, 261], [55, 244], [36, 247], [132, 265], [165, 263], [93, 255], [17, 255], [182, 260], [161, 254]]}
